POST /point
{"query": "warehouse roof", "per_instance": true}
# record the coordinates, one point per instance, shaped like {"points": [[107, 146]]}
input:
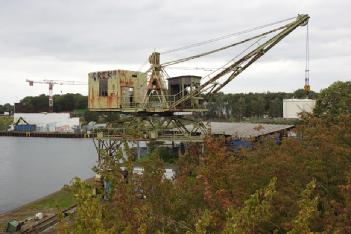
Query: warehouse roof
{"points": [[246, 130]]}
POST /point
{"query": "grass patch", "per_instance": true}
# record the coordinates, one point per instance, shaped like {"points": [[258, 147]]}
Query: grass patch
{"points": [[61, 199]]}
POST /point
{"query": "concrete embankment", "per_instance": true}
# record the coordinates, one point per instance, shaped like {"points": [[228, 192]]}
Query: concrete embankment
{"points": [[46, 134]]}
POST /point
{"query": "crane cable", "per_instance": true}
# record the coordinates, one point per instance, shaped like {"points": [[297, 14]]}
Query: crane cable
{"points": [[195, 68], [307, 65], [226, 36], [224, 47], [233, 59]]}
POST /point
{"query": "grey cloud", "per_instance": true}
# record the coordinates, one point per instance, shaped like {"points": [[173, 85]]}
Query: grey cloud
{"points": [[87, 30], [125, 32]]}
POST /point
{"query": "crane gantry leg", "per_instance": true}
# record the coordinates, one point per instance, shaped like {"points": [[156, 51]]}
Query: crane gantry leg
{"points": [[162, 129]]}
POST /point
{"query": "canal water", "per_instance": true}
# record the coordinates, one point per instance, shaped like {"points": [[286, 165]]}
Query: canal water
{"points": [[31, 168]]}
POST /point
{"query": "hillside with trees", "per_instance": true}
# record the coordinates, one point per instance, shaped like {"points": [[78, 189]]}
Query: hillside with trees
{"points": [[62, 103]]}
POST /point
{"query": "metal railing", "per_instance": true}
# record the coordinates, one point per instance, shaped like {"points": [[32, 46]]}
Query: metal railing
{"points": [[149, 134], [165, 101]]}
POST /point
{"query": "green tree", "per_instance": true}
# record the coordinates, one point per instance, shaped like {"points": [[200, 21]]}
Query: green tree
{"points": [[88, 217], [256, 210], [308, 210], [35, 104], [334, 100], [276, 107], [8, 108], [301, 93]]}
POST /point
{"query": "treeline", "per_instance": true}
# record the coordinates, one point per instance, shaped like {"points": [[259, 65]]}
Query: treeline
{"points": [[62, 103], [6, 108], [221, 106], [74, 103], [235, 107], [230, 107]]}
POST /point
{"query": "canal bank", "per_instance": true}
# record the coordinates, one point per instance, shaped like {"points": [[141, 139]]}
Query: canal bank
{"points": [[47, 205]]}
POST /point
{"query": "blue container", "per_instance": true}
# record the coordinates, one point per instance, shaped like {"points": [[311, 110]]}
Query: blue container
{"points": [[25, 128], [240, 144]]}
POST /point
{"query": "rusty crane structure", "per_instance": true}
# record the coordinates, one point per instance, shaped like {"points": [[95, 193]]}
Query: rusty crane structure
{"points": [[154, 104]]}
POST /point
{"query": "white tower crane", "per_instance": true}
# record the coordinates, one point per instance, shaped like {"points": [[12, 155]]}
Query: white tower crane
{"points": [[51, 84]]}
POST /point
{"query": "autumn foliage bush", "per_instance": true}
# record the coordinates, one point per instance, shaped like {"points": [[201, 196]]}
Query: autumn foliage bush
{"points": [[300, 186]]}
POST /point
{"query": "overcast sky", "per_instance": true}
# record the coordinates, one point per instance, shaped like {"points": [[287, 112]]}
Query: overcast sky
{"points": [[67, 39]]}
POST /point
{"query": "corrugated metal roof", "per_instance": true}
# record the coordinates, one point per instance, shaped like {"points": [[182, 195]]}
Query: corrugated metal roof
{"points": [[246, 130]]}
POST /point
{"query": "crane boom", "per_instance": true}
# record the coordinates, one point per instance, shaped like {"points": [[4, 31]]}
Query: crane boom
{"points": [[245, 61]]}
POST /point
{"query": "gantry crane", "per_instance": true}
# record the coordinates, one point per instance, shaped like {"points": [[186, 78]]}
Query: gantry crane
{"points": [[51, 84], [157, 112]]}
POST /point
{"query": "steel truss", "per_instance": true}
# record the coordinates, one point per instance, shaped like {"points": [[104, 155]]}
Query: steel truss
{"points": [[165, 129]]}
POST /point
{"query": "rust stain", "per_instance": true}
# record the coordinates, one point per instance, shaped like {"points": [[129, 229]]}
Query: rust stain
{"points": [[121, 79], [110, 101], [91, 98]]}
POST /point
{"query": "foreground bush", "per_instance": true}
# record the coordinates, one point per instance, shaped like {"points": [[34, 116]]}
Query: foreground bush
{"points": [[300, 186]]}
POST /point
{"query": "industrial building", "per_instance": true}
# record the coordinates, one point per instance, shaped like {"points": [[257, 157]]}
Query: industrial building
{"points": [[247, 130], [47, 122], [116, 89], [243, 135], [292, 107]]}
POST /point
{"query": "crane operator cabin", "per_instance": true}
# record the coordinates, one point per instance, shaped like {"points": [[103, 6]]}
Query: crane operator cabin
{"points": [[132, 91]]}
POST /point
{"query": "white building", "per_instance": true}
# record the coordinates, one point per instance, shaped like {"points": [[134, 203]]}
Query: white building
{"points": [[292, 107], [50, 122]]}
